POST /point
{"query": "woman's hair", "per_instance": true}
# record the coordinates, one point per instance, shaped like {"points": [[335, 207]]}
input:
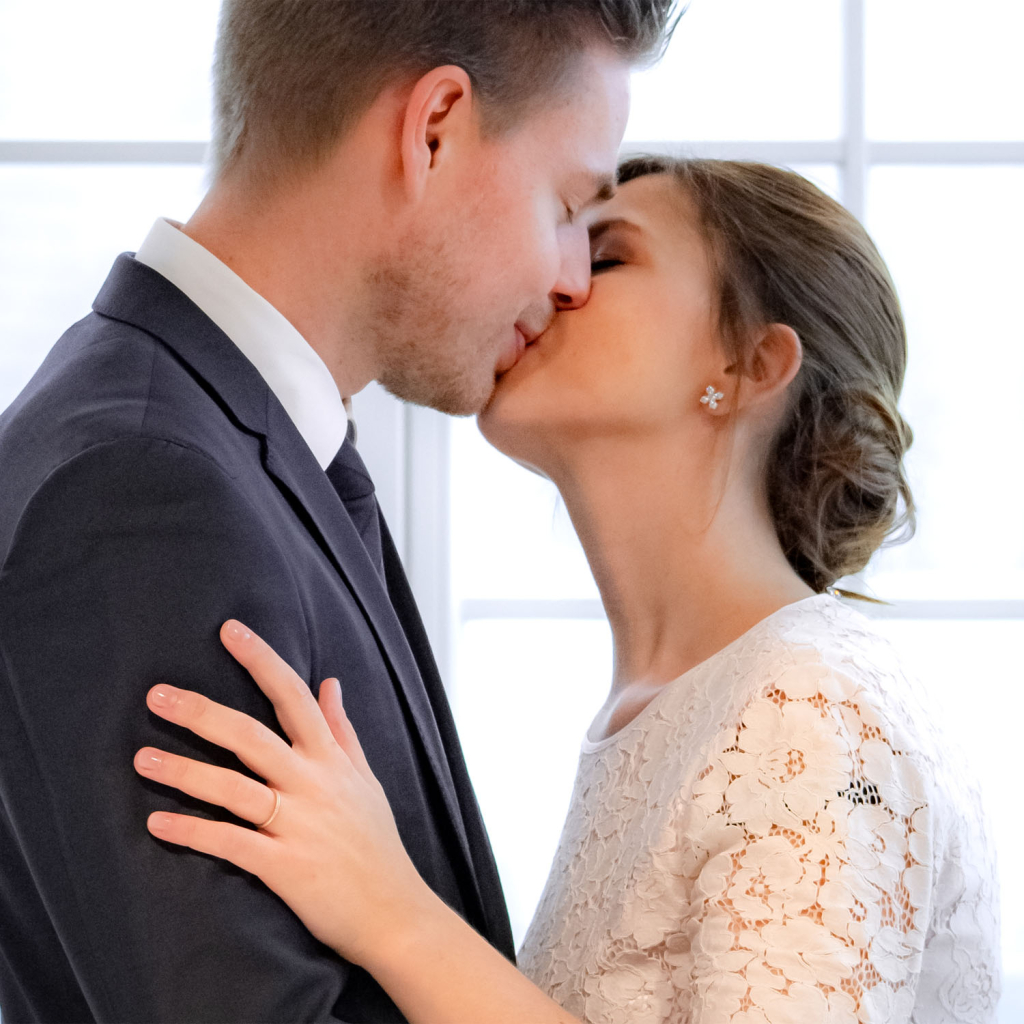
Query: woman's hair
{"points": [[784, 252]]}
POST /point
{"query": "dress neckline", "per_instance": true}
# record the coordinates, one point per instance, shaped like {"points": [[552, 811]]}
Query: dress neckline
{"points": [[589, 746]]}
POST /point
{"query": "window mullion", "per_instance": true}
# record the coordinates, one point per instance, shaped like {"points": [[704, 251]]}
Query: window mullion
{"points": [[854, 181]]}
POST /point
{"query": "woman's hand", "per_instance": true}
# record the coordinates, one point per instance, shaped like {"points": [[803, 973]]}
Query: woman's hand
{"points": [[326, 840], [327, 844]]}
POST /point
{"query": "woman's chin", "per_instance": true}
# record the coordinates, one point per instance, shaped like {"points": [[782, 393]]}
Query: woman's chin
{"points": [[514, 435]]}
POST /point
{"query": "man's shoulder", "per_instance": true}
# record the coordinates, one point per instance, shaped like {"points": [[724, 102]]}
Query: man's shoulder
{"points": [[107, 390]]}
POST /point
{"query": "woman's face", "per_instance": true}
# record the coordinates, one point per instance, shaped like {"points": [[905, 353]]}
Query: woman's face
{"points": [[633, 361]]}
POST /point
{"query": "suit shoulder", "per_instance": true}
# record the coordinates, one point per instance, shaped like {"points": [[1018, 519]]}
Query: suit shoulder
{"points": [[108, 391], [121, 484], [104, 379]]}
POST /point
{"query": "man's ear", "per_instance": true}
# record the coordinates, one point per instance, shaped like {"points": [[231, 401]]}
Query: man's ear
{"points": [[439, 107], [771, 364]]}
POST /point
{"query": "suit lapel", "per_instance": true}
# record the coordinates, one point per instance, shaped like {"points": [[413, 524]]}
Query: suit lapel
{"points": [[468, 819], [293, 467], [137, 294]]}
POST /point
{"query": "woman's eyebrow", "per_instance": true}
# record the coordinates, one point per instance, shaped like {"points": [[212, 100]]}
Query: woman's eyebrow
{"points": [[601, 227]]}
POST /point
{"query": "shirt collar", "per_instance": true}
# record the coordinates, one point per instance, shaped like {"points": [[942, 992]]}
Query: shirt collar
{"points": [[286, 361]]}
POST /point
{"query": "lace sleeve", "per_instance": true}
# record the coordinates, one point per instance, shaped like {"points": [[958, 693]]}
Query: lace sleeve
{"points": [[815, 837]]}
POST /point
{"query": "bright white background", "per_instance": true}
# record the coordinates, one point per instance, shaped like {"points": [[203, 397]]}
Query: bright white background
{"points": [[910, 111]]}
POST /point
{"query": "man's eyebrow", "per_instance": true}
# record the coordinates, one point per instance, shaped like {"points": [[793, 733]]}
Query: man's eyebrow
{"points": [[601, 187], [604, 187]]}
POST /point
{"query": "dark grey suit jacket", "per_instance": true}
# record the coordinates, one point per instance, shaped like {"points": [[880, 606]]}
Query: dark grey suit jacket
{"points": [[152, 486]]}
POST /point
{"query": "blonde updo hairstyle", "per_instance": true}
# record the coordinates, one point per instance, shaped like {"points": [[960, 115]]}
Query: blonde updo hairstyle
{"points": [[784, 252]]}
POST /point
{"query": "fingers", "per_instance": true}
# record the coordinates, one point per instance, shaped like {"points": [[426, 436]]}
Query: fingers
{"points": [[332, 710], [245, 848], [244, 797], [340, 726], [295, 706], [256, 746]]}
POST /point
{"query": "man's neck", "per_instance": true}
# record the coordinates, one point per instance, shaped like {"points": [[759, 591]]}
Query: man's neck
{"points": [[284, 250]]}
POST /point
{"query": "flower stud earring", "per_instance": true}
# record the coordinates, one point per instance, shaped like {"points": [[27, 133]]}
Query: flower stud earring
{"points": [[711, 397]]}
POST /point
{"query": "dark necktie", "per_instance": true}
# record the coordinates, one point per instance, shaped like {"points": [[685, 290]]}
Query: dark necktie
{"points": [[350, 479]]}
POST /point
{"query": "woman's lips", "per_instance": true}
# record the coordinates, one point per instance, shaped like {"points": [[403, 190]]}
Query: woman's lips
{"points": [[512, 351]]}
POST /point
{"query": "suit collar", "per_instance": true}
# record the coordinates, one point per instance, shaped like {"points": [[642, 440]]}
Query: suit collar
{"points": [[138, 295], [286, 361]]}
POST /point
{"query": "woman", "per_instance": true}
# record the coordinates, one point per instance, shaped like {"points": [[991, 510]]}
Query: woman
{"points": [[766, 825]]}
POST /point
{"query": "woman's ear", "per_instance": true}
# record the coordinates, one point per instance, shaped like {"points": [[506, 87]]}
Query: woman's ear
{"points": [[439, 105], [771, 365]]}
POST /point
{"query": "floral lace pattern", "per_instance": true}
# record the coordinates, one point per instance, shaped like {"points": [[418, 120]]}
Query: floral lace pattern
{"points": [[781, 836]]}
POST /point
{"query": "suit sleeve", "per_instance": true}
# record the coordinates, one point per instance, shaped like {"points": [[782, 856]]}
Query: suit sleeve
{"points": [[122, 569]]}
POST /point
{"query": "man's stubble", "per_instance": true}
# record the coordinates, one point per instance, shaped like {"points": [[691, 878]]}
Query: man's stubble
{"points": [[432, 351]]}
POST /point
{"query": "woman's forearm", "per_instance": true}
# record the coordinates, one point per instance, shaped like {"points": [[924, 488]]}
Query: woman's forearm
{"points": [[438, 970]]}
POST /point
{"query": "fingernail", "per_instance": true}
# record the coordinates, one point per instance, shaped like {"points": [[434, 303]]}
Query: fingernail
{"points": [[236, 630], [338, 683], [164, 696], [148, 762], [159, 822]]}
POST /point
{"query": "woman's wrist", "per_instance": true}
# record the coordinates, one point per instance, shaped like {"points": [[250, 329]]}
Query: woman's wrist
{"points": [[438, 969], [408, 924]]}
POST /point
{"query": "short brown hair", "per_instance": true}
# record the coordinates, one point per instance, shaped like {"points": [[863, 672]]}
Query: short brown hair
{"points": [[291, 76], [785, 252]]}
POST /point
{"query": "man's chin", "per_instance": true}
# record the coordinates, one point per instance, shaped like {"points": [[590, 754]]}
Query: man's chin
{"points": [[453, 398]]}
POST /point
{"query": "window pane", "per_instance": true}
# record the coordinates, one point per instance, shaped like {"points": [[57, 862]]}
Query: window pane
{"points": [[61, 226], [525, 693], [940, 69], [974, 673], [951, 238], [510, 534], [744, 69], [106, 69]]}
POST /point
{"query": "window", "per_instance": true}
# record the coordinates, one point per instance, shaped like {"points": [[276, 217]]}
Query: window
{"points": [[909, 112], [102, 129]]}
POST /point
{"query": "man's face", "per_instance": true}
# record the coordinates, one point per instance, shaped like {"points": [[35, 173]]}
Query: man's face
{"points": [[499, 247]]}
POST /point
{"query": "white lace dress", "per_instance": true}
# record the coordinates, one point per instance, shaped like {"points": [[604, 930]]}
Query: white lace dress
{"points": [[782, 835]]}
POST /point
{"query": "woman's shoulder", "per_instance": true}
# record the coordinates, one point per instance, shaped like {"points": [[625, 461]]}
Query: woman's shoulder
{"points": [[829, 716], [820, 680], [830, 633], [827, 653]]}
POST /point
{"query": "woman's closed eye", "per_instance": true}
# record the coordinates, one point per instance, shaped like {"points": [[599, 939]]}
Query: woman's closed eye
{"points": [[604, 263]]}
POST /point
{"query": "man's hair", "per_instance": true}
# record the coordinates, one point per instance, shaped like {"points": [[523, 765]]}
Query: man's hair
{"points": [[292, 76]]}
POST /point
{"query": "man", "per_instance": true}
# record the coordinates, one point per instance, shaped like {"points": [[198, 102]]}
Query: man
{"points": [[396, 196]]}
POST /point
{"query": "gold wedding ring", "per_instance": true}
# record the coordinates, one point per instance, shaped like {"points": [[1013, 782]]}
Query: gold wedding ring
{"points": [[273, 813]]}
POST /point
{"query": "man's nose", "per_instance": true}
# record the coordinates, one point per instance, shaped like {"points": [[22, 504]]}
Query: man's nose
{"points": [[572, 289]]}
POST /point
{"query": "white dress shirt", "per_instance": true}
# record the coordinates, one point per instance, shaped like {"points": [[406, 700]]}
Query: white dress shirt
{"points": [[286, 361]]}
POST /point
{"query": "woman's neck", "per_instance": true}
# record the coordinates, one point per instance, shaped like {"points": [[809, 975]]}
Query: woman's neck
{"points": [[685, 560]]}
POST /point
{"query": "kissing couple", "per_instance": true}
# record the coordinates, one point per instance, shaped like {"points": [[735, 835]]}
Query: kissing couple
{"points": [[230, 784]]}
